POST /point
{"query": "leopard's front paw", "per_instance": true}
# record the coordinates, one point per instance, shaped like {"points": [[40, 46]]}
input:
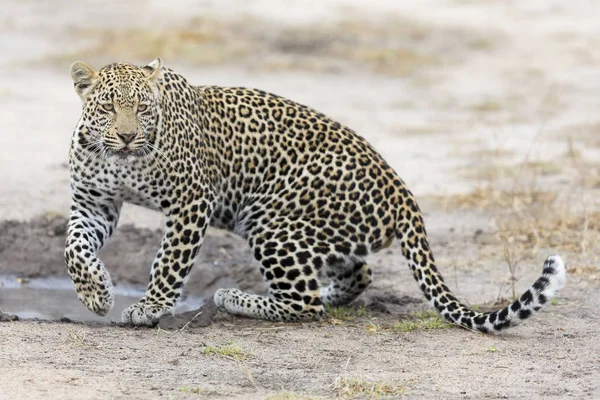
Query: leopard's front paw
{"points": [[94, 289], [144, 314]]}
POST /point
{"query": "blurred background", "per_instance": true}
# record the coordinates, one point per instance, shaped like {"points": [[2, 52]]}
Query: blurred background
{"points": [[487, 109], [445, 89]]}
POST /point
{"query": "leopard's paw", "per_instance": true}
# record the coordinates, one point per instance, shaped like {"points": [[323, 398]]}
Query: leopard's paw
{"points": [[94, 289], [144, 314], [225, 298]]}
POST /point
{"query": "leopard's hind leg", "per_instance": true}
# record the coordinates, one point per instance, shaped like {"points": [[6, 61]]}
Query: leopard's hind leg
{"points": [[344, 281], [290, 267], [296, 266]]}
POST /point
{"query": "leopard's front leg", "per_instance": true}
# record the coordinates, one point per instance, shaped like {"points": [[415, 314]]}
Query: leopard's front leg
{"points": [[92, 220], [184, 234]]}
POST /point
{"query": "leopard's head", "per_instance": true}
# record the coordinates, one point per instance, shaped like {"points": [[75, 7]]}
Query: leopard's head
{"points": [[121, 108]]}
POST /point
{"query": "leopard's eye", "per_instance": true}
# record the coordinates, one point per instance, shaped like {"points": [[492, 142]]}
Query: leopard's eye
{"points": [[142, 107], [108, 107]]}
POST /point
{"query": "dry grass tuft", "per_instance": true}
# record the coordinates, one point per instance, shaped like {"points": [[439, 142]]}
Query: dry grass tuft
{"points": [[349, 388], [229, 351], [422, 320], [345, 313], [548, 227], [79, 338], [192, 390], [528, 220]]}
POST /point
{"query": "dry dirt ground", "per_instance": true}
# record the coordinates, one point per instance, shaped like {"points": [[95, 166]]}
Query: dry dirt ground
{"points": [[488, 110]]}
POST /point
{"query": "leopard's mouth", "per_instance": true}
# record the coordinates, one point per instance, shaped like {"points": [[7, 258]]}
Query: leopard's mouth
{"points": [[126, 153]]}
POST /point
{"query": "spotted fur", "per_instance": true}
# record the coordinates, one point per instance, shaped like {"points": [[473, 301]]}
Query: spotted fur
{"points": [[311, 197]]}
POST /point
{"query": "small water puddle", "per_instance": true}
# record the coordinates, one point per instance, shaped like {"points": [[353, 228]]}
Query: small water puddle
{"points": [[55, 298]]}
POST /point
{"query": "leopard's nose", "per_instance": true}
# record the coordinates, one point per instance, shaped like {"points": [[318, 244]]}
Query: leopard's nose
{"points": [[126, 137]]}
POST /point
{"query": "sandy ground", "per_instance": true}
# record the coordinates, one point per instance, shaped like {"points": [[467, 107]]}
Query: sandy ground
{"points": [[488, 110]]}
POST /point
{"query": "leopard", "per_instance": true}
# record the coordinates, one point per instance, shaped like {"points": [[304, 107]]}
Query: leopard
{"points": [[311, 198]]}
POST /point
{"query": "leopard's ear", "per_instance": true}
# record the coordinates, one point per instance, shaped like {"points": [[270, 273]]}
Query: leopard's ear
{"points": [[84, 78], [153, 70]]}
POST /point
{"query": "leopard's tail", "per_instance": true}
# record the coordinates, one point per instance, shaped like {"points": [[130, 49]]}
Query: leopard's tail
{"points": [[416, 249]]}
